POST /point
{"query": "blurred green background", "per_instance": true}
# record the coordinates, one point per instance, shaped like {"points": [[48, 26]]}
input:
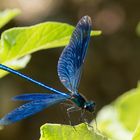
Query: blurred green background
{"points": [[112, 65]]}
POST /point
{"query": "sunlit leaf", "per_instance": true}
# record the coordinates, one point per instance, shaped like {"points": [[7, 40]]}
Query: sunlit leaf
{"points": [[110, 125], [136, 135], [128, 105], [16, 64], [119, 119], [7, 15], [67, 132], [18, 42], [96, 33]]}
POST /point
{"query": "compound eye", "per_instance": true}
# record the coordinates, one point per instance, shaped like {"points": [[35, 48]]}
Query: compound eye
{"points": [[90, 108]]}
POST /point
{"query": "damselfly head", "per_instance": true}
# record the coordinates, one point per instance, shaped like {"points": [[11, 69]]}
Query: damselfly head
{"points": [[90, 106]]}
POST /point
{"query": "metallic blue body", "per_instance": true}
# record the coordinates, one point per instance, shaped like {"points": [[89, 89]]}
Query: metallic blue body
{"points": [[69, 71], [3, 67]]}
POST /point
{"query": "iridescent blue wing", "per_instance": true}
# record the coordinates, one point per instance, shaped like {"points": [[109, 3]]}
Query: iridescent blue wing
{"points": [[30, 108], [73, 56], [37, 96]]}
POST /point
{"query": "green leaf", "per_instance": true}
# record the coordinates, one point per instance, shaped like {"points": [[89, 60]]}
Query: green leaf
{"points": [[66, 132], [7, 15], [18, 42], [119, 119], [128, 105], [96, 33], [136, 135], [110, 125], [16, 64]]}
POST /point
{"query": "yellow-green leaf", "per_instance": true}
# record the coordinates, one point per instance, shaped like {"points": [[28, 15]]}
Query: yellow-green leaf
{"points": [[119, 119], [136, 135], [67, 132], [18, 42], [7, 15]]}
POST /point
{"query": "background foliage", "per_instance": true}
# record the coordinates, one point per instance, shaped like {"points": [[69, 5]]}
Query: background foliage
{"points": [[111, 68]]}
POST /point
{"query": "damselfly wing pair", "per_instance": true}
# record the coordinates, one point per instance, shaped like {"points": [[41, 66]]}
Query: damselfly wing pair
{"points": [[69, 68]]}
